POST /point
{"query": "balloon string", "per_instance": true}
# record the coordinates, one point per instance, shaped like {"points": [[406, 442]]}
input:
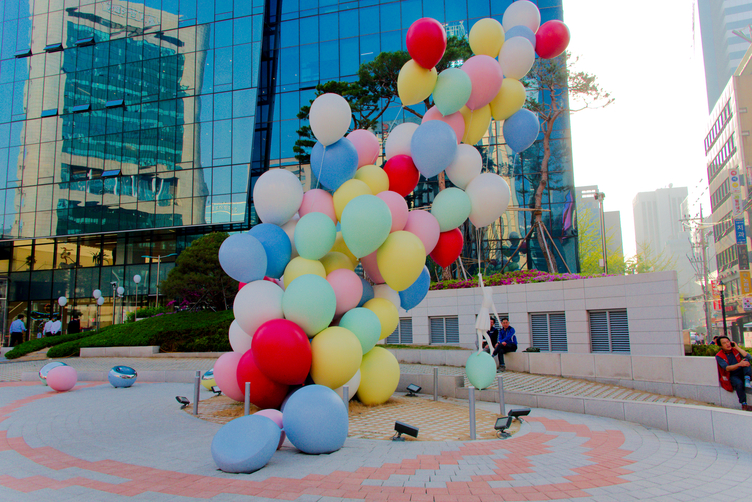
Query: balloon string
{"points": [[321, 168], [391, 125], [469, 123]]}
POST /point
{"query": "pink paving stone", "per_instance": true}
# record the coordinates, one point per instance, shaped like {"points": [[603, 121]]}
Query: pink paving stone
{"points": [[399, 497], [421, 498]]}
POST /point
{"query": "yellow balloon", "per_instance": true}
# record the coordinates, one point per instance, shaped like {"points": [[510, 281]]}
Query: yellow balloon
{"points": [[486, 37], [379, 376], [476, 123], [374, 177], [401, 259], [415, 83], [341, 247], [510, 99], [334, 260], [301, 266], [347, 192], [387, 314], [337, 355]]}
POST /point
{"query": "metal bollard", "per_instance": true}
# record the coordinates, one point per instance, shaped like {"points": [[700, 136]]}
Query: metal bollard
{"points": [[435, 383], [346, 397], [196, 388], [472, 412], [502, 406], [247, 405]]}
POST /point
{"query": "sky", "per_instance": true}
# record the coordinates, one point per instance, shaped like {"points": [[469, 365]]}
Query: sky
{"points": [[645, 54]]}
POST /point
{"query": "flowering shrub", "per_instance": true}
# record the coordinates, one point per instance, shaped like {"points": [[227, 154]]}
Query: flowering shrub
{"points": [[516, 277]]}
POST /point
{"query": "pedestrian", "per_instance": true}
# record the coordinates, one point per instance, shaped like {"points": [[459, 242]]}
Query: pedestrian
{"points": [[734, 370], [74, 325], [57, 326], [507, 342], [493, 334], [17, 330]]}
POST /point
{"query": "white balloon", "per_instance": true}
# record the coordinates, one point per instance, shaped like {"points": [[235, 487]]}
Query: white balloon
{"points": [[489, 197], [120, 290], [466, 165], [100, 300], [387, 293], [330, 118], [256, 303], [240, 341], [277, 196], [289, 229], [136, 278], [516, 57], [352, 385], [521, 13], [62, 301], [398, 141], [96, 293]]}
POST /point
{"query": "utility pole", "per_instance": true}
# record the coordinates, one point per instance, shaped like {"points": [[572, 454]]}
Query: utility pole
{"points": [[705, 289]]}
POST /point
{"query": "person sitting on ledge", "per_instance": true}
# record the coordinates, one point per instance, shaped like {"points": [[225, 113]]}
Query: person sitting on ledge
{"points": [[506, 342], [734, 370]]}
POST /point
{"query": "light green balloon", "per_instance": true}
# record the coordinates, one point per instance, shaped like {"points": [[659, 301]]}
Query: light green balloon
{"points": [[453, 89], [451, 207], [309, 301], [366, 223], [315, 234], [365, 324], [480, 369]]}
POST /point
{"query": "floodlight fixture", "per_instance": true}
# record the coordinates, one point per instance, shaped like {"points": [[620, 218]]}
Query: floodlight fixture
{"points": [[503, 423], [519, 412], [412, 389], [403, 428], [216, 390], [182, 400]]}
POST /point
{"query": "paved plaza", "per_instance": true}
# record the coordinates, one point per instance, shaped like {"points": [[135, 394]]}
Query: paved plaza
{"points": [[101, 443]]}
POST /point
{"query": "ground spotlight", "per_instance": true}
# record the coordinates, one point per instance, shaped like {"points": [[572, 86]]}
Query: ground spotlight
{"points": [[216, 390], [403, 428], [503, 423], [412, 389], [519, 412], [182, 400]]}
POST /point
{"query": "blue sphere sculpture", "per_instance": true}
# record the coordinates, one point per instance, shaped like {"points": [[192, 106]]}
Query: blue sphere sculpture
{"points": [[245, 444], [122, 376], [315, 420], [46, 369]]}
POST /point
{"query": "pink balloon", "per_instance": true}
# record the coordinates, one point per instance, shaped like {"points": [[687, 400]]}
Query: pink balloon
{"points": [[62, 378], [276, 417], [425, 226], [367, 146], [318, 201], [347, 287], [486, 76], [455, 121], [226, 375], [398, 208], [372, 268]]}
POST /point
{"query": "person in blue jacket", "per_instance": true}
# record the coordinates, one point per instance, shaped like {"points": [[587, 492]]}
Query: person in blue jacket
{"points": [[506, 342]]}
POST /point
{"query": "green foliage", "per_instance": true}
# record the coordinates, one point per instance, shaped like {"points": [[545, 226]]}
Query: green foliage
{"points": [[706, 350], [42, 343], [182, 332], [646, 260], [145, 312], [510, 278], [198, 280], [591, 248]]}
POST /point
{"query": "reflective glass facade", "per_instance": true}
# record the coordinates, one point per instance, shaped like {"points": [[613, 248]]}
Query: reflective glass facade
{"points": [[129, 128]]}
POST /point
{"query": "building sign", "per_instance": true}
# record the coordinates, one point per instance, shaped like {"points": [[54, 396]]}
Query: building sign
{"points": [[741, 253], [747, 304], [716, 304], [741, 232], [736, 185], [737, 205], [745, 281]]}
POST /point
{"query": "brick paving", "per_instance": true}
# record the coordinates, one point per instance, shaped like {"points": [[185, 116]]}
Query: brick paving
{"points": [[101, 443]]}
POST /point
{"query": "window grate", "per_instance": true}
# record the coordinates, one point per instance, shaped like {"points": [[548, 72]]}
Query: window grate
{"points": [[403, 333], [444, 330], [549, 331], [609, 331]]}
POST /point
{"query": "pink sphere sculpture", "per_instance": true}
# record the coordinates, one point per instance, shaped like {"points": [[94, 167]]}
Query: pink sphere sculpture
{"points": [[276, 417], [62, 378]]}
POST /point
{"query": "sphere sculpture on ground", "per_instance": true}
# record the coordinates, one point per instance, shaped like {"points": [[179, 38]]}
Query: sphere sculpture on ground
{"points": [[46, 369], [245, 444], [122, 376], [276, 417], [207, 379], [62, 378], [315, 420]]}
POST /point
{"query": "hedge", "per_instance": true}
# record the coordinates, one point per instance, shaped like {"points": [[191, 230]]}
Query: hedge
{"points": [[711, 350], [41, 343]]}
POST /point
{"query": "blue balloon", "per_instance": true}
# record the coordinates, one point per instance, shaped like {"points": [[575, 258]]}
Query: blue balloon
{"points": [[245, 444], [433, 147], [367, 292], [315, 420], [521, 130], [334, 164], [243, 258], [412, 296], [520, 31], [277, 246]]}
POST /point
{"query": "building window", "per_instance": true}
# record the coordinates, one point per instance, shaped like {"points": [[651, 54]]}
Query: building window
{"points": [[444, 329], [609, 331], [549, 332], [403, 333], [715, 166]]}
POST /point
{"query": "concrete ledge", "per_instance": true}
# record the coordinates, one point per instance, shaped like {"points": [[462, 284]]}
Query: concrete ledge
{"points": [[448, 384], [432, 357], [147, 351], [5, 350]]}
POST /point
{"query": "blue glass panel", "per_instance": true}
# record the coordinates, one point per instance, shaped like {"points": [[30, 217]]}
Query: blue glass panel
{"points": [[329, 60], [242, 139], [223, 66], [391, 41], [434, 9], [289, 64], [412, 10], [222, 142], [349, 56], [244, 102], [223, 34], [204, 11], [478, 9], [455, 11], [289, 33], [328, 27], [309, 63], [369, 20], [348, 23], [243, 65], [309, 30], [369, 48]]}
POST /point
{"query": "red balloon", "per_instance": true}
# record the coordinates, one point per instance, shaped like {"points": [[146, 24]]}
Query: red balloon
{"points": [[402, 173], [265, 393], [551, 39], [448, 248], [282, 352], [426, 42]]}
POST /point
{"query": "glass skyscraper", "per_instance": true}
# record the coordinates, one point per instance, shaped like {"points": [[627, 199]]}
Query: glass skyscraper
{"points": [[130, 128]]}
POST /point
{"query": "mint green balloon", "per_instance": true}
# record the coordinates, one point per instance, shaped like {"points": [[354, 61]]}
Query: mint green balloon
{"points": [[480, 370], [315, 234], [366, 222], [453, 88], [309, 302], [365, 324], [451, 207]]}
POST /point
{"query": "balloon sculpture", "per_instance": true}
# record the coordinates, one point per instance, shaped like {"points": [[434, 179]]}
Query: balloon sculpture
{"points": [[303, 316]]}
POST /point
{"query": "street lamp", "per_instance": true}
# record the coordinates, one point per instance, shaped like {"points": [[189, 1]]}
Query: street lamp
{"points": [[721, 289], [120, 291], [159, 260], [599, 196], [136, 279]]}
